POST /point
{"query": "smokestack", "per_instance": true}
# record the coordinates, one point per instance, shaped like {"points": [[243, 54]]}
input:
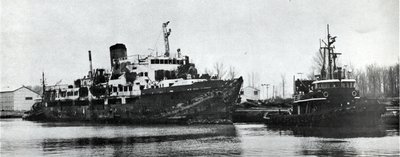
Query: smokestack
{"points": [[91, 68], [117, 52]]}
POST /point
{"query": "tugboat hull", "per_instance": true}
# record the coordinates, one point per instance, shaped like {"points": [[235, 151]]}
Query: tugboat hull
{"points": [[359, 115]]}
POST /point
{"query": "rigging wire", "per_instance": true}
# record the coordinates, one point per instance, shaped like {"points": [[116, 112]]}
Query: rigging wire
{"points": [[155, 44]]}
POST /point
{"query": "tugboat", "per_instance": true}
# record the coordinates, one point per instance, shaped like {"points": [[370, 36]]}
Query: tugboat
{"points": [[141, 89], [329, 101]]}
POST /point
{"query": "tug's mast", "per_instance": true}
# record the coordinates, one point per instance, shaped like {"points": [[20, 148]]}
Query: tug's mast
{"points": [[331, 56]]}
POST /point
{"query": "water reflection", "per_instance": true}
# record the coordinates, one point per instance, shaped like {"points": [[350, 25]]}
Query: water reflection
{"points": [[154, 141], [299, 141], [24, 138], [328, 148], [336, 132]]}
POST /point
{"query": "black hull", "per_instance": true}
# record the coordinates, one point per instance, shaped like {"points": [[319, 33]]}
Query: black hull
{"points": [[351, 116], [203, 102], [333, 132], [391, 120]]}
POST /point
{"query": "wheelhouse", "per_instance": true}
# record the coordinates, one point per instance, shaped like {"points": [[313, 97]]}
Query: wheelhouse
{"points": [[335, 83]]}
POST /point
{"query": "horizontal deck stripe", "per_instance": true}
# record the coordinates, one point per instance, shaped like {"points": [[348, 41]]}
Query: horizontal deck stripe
{"points": [[313, 99]]}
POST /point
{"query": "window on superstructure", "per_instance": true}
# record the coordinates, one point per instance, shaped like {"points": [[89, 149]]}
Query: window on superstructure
{"points": [[141, 74], [157, 61], [120, 88], [130, 88], [152, 61], [125, 88], [75, 93], [174, 61], [170, 61], [28, 98], [255, 92], [146, 74], [115, 89], [161, 61]]}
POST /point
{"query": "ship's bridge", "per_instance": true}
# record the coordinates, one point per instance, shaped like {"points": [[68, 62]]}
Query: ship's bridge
{"points": [[334, 83], [156, 63]]}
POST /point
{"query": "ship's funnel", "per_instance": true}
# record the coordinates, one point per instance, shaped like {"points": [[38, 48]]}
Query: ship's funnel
{"points": [[117, 51]]}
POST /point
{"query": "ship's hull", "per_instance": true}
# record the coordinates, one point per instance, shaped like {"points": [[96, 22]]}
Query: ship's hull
{"points": [[358, 115], [201, 102]]}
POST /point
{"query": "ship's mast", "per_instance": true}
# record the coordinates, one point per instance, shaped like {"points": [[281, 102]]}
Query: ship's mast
{"points": [[43, 86], [166, 32]]}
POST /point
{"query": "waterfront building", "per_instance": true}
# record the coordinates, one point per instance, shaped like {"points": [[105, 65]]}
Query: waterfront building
{"points": [[250, 93], [20, 99]]}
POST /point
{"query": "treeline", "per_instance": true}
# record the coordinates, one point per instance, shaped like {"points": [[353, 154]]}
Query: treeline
{"points": [[378, 81]]}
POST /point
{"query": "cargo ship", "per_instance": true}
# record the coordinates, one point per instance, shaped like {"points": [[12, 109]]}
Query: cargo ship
{"points": [[140, 90], [329, 101]]}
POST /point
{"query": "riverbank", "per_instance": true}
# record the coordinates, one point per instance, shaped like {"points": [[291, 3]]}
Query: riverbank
{"points": [[11, 114]]}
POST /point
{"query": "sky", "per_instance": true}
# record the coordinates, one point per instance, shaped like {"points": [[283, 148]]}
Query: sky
{"points": [[269, 38]]}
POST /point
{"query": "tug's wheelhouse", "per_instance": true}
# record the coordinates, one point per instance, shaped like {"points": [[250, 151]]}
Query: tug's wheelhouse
{"points": [[324, 95]]}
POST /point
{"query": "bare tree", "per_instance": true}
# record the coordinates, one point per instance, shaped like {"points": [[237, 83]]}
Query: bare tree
{"points": [[318, 61], [232, 72], [253, 79], [208, 71], [394, 80], [311, 74], [361, 83], [220, 70], [376, 81]]}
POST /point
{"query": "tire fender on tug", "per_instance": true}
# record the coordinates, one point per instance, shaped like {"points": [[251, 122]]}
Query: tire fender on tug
{"points": [[354, 93], [325, 94]]}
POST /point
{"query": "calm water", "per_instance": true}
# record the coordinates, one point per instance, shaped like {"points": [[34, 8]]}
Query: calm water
{"points": [[25, 138]]}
